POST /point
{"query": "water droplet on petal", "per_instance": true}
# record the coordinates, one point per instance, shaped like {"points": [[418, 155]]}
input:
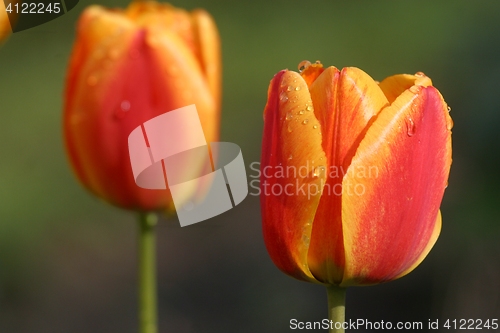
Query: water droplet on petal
{"points": [[290, 157], [114, 54], [289, 129], [303, 65], [288, 116], [289, 88], [449, 109], [305, 239], [123, 110], [319, 171], [301, 112], [419, 74], [297, 88], [305, 121], [283, 97], [449, 123], [315, 126], [309, 108], [125, 105], [414, 89], [410, 127], [92, 79]]}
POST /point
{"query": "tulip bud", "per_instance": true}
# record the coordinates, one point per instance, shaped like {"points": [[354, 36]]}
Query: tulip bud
{"points": [[127, 67], [352, 173]]}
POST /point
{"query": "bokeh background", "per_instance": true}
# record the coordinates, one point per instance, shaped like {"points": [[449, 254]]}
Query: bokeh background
{"points": [[68, 261]]}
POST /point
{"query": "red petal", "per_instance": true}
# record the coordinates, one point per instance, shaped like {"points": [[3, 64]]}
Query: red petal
{"points": [[345, 102], [397, 180], [291, 143]]}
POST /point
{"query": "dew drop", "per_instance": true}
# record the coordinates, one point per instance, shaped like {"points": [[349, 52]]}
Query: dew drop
{"points": [[92, 80], [419, 74], [410, 127], [414, 89], [303, 65], [114, 54], [122, 111], [283, 97], [297, 88], [449, 123], [125, 105], [309, 108], [301, 112], [289, 129], [305, 239], [289, 116], [319, 171], [315, 126], [290, 157], [289, 88], [449, 109], [305, 121]]}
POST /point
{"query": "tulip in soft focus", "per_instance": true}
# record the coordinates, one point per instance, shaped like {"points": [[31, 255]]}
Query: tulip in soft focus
{"points": [[352, 174], [5, 28], [127, 67]]}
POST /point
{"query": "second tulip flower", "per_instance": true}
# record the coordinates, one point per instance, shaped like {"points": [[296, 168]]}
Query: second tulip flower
{"points": [[127, 67]]}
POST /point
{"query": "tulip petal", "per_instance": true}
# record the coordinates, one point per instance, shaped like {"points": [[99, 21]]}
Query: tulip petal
{"points": [[395, 85], [209, 49], [102, 37], [397, 180], [290, 183], [427, 249], [345, 102]]}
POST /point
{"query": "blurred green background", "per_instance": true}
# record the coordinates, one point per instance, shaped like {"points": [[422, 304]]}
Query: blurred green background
{"points": [[68, 262]]}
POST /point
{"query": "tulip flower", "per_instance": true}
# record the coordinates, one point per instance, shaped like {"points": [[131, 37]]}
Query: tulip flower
{"points": [[127, 67], [352, 174], [5, 27]]}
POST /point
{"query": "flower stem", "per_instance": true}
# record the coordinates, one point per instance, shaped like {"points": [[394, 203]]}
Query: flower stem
{"points": [[336, 308], [148, 321]]}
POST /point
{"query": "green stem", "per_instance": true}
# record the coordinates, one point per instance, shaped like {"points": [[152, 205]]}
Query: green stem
{"points": [[336, 308], [148, 312]]}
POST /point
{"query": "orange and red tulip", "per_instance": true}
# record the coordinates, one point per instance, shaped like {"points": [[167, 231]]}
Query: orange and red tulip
{"points": [[352, 173], [127, 67]]}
